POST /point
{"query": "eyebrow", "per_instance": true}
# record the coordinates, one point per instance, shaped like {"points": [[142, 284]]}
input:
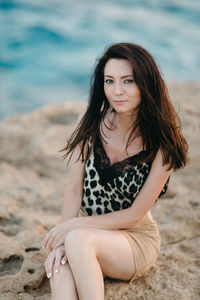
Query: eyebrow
{"points": [[121, 77]]}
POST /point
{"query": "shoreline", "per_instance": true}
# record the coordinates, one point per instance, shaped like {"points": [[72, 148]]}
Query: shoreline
{"points": [[171, 84]]}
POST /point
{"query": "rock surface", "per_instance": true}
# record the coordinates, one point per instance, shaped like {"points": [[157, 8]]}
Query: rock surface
{"points": [[32, 180]]}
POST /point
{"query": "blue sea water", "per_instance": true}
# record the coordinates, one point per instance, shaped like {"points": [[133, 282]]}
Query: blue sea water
{"points": [[48, 48]]}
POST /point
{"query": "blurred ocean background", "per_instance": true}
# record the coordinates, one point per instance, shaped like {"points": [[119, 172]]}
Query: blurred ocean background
{"points": [[48, 48]]}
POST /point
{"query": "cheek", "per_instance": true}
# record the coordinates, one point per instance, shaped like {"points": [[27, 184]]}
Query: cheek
{"points": [[107, 91], [135, 93]]}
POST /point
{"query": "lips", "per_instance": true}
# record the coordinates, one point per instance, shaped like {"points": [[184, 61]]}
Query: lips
{"points": [[119, 101]]}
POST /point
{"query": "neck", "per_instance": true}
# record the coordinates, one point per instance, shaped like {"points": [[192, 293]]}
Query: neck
{"points": [[124, 122]]}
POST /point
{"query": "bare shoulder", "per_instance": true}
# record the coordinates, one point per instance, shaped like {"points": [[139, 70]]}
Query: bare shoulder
{"points": [[76, 164], [152, 187], [158, 161]]}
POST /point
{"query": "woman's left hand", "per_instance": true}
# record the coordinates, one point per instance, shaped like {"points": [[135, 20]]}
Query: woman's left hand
{"points": [[56, 236]]}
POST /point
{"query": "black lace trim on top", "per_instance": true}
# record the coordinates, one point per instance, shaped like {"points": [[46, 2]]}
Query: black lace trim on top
{"points": [[108, 172], [124, 163]]}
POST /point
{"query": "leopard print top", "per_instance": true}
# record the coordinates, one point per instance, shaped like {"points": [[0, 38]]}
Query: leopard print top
{"points": [[108, 188]]}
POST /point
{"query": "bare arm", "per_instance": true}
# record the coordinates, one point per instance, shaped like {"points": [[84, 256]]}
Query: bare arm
{"points": [[74, 187], [71, 206]]}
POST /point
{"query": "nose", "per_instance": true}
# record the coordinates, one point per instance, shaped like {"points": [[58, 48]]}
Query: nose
{"points": [[118, 89]]}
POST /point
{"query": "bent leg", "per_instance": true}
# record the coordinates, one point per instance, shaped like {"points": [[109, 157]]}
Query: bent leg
{"points": [[62, 285], [93, 252]]}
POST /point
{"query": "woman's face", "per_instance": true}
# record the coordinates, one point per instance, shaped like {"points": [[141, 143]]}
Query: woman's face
{"points": [[119, 86]]}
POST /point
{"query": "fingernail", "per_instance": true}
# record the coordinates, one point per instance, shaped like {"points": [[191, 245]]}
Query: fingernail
{"points": [[63, 262], [56, 271], [49, 275]]}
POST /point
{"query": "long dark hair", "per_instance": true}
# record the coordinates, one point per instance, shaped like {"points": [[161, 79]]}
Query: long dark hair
{"points": [[158, 123]]}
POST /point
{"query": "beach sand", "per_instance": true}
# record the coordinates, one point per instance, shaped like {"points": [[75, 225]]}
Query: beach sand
{"points": [[32, 181]]}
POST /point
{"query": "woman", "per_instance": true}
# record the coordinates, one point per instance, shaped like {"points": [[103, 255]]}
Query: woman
{"points": [[121, 155]]}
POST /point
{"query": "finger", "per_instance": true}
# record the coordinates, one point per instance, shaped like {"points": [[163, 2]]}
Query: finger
{"points": [[57, 243], [56, 268], [50, 241], [46, 264], [49, 264], [64, 260], [58, 240], [46, 239], [51, 234]]}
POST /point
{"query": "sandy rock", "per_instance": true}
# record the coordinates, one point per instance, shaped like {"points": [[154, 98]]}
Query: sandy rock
{"points": [[33, 177]]}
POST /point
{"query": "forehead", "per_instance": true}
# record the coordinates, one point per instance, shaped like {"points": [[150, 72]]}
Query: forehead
{"points": [[118, 67]]}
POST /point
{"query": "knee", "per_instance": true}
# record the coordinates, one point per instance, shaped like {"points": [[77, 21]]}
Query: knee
{"points": [[63, 285], [58, 281], [78, 243]]}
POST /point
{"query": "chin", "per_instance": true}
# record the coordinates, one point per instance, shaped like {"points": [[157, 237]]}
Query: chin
{"points": [[123, 110]]}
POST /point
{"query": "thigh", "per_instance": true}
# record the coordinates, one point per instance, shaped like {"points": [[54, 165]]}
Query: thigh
{"points": [[113, 252]]}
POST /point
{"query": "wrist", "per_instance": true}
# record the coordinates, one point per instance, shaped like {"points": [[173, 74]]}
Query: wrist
{"points": [[72, 224]]}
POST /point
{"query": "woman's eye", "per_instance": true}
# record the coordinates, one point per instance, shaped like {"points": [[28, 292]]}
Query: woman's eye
{"points": [[108, 81], [128, 80]]}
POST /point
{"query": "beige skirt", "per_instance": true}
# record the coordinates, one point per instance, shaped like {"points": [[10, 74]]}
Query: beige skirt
{"points": [[144, 239]]}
